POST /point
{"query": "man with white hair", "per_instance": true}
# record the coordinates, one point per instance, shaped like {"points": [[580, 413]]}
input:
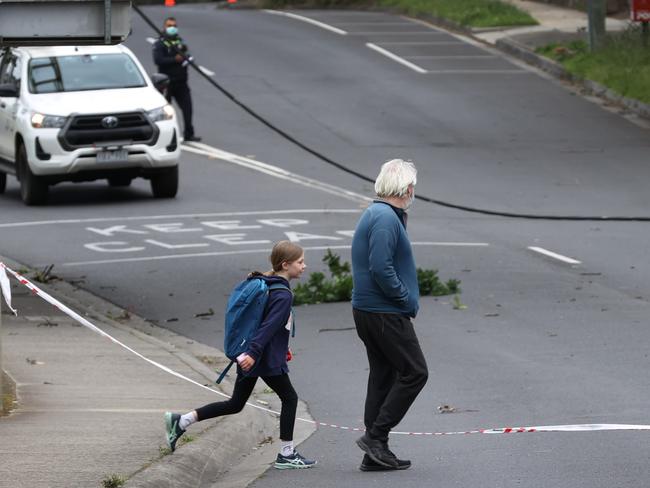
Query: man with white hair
{"points": [[384, 300]]}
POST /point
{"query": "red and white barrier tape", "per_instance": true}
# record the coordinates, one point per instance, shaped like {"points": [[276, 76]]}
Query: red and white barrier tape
{"points": [[6, 292]]}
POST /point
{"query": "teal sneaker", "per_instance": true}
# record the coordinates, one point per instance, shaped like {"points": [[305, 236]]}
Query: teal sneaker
{"points": [[173, 430], [295, 461]]}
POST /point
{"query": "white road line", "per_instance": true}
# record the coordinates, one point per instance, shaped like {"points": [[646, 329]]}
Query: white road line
{"points": [[396, 33], [480, 45], [275, 171], [178, 216], [191, 255], [421, 43], [309, 21], [151, 40], [396, 58], [206, 71], [471, 56], [120, 411], [428, 25], [451, 244], [460, 37], [478, 72], [244, 251], [375, 23], [554, 255]]}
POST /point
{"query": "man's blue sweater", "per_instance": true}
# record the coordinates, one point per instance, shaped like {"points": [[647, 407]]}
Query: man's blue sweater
{"points": [[383, 269]]}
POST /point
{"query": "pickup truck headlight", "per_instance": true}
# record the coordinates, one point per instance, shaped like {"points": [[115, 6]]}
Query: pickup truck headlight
{"points": [[165, 112], [42, 121]]}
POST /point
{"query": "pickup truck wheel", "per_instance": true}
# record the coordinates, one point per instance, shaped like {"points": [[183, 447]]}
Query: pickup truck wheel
{"points": [[3, 182], [165, 184], [116, 181], [33, 190]]}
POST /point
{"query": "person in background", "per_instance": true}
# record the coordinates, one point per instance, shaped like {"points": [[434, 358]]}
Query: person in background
{"points": [[171, 55]]}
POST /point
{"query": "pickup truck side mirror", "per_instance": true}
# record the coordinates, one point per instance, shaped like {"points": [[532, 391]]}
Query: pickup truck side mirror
{"points": [[160, 81], [9, 90]]}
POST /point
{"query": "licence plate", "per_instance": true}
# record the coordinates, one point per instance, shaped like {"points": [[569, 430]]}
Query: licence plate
{"points": [[117, 156]]}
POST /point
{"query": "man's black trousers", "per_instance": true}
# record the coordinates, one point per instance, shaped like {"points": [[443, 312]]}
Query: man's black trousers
{"points": [[180, 91], [398, 370]]}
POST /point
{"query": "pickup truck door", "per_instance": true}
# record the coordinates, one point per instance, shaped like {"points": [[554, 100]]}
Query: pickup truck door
{"points": [[9, 74]]}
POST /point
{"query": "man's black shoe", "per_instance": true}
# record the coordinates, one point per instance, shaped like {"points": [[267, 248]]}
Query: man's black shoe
{"points": [[369, 465], [192, 139], [377, 451]]}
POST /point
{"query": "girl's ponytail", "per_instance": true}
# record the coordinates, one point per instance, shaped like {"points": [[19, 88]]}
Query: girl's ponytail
{"points": [[283, 251]]}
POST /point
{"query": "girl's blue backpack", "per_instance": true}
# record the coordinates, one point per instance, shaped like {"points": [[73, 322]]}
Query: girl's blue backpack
{"points": [[244, 314]]}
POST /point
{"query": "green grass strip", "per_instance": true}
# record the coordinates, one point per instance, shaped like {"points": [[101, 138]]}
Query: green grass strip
{"points": [[623, 64], [470, 13]]}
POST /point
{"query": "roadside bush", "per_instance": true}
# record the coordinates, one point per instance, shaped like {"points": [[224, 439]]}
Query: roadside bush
{"points": [[319, 289], [338, 288], [430, 284]]}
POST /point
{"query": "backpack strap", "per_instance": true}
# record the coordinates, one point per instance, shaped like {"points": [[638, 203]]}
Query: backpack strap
{"points": [[279, 286], [224, 372]]}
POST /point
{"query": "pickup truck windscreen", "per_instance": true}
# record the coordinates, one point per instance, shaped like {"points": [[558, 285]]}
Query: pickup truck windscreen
{"points": [[83, 72]]}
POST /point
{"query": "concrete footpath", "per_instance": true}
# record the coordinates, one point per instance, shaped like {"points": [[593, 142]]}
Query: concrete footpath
{"points": [[89, 412]]}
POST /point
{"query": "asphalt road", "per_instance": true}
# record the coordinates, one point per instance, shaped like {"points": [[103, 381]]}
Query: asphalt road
{"points": [[544, 341]]}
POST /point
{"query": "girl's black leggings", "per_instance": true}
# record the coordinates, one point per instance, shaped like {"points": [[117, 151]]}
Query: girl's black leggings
{"points": [[244, 385]]}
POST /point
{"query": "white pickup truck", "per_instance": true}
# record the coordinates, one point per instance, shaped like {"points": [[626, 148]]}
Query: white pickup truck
{"points": [[80, 114]]}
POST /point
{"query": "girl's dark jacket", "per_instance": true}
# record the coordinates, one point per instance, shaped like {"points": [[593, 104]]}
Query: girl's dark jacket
{"points": [[270, 344]]}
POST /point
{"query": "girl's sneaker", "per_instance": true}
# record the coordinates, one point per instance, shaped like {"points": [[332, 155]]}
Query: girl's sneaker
{"points": [[172, 429], [295, 461]]}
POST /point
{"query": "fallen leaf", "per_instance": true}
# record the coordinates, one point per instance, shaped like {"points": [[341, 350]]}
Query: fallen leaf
{"points": [[446, 409]]}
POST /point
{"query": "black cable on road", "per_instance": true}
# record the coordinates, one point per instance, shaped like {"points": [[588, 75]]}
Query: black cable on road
{"points": [[342, 167]]}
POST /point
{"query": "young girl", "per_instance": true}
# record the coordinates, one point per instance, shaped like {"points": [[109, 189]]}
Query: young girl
{"points": [[265, 358]]}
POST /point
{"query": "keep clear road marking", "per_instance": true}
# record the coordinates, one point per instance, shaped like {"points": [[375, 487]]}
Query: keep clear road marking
{"points": [[172, 216], [275, 171], [396, 58], [554, 255], [322, 25], [253, 251]]}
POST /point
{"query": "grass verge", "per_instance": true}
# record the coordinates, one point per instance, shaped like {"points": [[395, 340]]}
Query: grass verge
{"points": [[622, 64], [469, 13]]}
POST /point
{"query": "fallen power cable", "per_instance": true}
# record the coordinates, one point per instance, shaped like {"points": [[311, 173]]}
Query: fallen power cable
{"points": [[5, 289], [342, 167]]}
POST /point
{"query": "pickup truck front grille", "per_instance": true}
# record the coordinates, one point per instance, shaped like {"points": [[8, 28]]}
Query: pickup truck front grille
{"points": [[95, 130]]}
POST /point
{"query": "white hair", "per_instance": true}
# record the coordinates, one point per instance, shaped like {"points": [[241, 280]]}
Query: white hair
{"points": [[395, 177]]}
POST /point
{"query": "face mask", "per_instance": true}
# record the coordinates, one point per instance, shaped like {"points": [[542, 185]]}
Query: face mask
{"points": [[410, 201], [171, 31]]}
